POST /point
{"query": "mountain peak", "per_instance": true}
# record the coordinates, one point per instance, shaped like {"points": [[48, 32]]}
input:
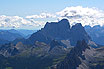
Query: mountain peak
{"points": [[78, 32], [78, 25], [60, 31], [82, 45], [75, 57], [64, 23]]}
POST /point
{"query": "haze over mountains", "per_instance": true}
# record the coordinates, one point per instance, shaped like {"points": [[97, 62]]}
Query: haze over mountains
{"points": [[75, 14], [58, 31], [51, 34], [56, 46], [96, 33], [7, 36]]}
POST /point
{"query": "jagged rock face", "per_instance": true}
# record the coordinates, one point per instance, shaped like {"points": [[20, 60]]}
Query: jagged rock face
{"points": [[54, 30], [78, 33], [98, 62], [77, 58], [60, 31], [19, 46], [53, 44], [56, 48], [8, 50], [39, 49], [53, 49]]}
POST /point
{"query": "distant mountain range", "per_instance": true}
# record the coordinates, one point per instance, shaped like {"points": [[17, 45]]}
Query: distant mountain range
{"points": [[12, 34], [26, 33], [8, 35], [56, 46], [96, 33]]}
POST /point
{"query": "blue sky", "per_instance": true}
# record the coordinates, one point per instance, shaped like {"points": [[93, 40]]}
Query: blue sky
{"points": [[30, 7], [18, 13]]}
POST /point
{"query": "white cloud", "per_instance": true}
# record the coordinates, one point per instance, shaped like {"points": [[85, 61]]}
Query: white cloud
{"points": [[78, 14], [37, 23], [42, 15], [86, 16], [17, 22], [12, 21]]}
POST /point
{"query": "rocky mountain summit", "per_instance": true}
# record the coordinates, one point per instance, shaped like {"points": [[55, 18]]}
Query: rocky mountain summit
{"points": [[78, 57], [60, 31], [56, 46]]}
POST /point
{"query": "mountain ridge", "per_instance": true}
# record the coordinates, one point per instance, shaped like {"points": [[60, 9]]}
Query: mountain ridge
{"points": [[60, 31]]}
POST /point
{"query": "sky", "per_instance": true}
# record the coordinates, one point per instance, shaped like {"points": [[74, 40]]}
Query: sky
{"points": [[24, 8], [30, 7]]}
